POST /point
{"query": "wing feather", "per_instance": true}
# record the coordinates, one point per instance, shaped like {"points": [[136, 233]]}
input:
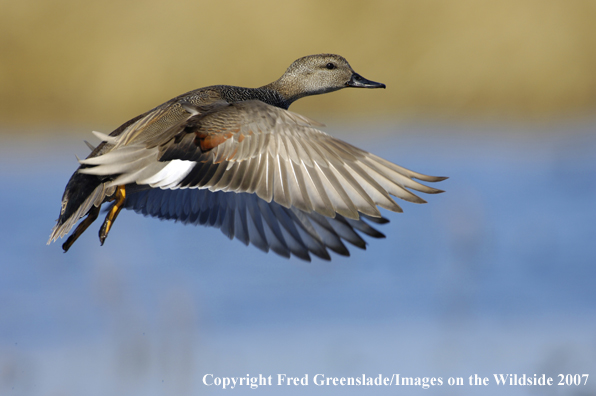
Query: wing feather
{"points": [[251, 147], [252, 220]]}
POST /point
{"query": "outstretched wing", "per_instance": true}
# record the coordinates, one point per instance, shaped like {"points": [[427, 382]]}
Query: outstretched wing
{"points": [[251, 147], [248, 218]]}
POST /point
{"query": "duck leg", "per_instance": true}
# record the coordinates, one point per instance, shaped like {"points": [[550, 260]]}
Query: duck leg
{"points": [[119, 198], [93, 213]]}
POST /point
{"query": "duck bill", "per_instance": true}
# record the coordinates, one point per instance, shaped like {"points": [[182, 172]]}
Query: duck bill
{"points": [[357, 81]]}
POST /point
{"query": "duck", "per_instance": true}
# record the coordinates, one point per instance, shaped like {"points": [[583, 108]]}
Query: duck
{"points": [[237, 159]]}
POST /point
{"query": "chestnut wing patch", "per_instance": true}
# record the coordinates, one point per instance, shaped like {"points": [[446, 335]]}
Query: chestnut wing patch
{"points": [[199, 134]]}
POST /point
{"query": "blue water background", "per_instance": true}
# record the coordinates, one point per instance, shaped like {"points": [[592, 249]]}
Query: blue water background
{"points": [[494, 276]]}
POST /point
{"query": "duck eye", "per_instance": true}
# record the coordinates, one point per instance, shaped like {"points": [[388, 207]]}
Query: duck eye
{"points": [[330, 66]]}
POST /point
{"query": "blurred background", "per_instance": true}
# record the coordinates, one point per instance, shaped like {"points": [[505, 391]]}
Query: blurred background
{"points": [[494, 276]]}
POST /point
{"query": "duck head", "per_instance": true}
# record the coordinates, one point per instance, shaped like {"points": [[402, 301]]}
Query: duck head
{"points": [[318, 74]]}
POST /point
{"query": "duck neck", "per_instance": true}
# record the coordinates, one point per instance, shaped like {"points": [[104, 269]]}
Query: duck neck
{"points": [[285, 88], [272, 96]]}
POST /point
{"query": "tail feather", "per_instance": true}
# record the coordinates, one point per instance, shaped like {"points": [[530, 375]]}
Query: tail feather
{"points": [[81, 194]]}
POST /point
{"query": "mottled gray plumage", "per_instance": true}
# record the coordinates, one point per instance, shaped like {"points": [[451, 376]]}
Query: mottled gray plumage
{"points": [[236, 159]]}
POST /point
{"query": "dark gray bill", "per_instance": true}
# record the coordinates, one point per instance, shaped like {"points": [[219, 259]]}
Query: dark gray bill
{"points": [[357, 81]]}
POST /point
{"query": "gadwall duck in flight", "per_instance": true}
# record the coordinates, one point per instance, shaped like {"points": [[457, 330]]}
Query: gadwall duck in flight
{"points": [[236, 159]]}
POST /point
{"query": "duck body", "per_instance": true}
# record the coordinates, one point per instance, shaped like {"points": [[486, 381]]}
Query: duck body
{"points": [[235, 158]]}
